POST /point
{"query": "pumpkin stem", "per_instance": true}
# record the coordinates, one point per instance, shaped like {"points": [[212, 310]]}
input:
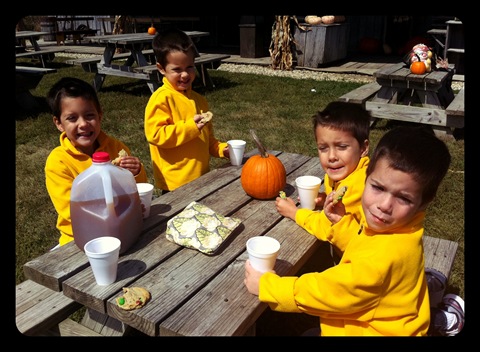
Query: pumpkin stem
{"points": [[261, 148]]}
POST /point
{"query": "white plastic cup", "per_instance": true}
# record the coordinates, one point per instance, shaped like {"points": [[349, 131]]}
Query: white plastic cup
{"points": [[145, 191], [102, 253], [308, 187], [262, 252], [236, 147]]}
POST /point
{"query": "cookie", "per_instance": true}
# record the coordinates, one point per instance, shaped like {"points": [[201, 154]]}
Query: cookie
{"points": [[339, 194], [121, 154], [207, 116], [133, 298]]}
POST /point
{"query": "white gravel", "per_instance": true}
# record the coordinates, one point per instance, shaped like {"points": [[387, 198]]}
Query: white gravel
{"points": [[296, 73]]}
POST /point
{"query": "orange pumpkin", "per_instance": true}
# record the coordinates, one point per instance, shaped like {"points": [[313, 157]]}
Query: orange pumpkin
{"points": [[152, 30], [263, 175], [418, 67]]}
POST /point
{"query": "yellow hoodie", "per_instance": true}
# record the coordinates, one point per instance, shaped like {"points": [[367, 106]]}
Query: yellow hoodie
{"points": [[317, 223], [180, 152], [378, 288], [63, 164]]}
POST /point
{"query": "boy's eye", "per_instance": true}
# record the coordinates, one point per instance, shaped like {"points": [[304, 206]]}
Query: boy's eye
{"points": [[405, 200]]}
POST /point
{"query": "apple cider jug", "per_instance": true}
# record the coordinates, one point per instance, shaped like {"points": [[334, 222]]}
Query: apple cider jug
{"points": [[104, 201]]}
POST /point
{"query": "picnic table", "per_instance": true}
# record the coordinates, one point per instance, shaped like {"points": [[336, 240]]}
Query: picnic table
{"points": [[401, 95], [192, 293], [140, 61], [43, 54]]}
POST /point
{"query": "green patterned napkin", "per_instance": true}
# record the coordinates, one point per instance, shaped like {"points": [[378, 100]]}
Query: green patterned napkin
{"points": [[199, 227]]}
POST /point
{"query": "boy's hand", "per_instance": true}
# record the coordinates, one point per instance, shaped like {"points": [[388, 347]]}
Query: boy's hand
{"points": [[334, 212], [286, 207], [252, 278], [131, 163]]}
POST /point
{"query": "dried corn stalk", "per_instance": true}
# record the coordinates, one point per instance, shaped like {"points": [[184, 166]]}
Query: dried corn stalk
{"points": [[282, 45]]}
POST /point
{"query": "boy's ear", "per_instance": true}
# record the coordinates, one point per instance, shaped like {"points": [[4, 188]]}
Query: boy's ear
{"points": [[160, 68], [365, 147], [58, 124]]}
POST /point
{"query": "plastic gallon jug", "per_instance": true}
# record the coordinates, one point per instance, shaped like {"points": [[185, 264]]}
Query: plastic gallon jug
{"points": [[104, 201]]}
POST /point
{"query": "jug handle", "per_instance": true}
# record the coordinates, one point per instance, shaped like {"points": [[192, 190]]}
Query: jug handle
{"points": [[107, 187]]}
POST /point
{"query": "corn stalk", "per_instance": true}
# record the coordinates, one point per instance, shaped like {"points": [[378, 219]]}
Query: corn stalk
{"points": [[122, 24], [282, 45]]}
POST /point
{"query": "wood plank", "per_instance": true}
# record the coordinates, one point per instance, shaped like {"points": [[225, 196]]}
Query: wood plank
{"points": [[39, 308], [417, 114], [457, 106], [32, 53], [68, 327], [439, 254], [361, 94], [31, 70]]}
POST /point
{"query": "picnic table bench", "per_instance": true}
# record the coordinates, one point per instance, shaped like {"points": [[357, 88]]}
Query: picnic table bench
{"points": [[44, 55]]}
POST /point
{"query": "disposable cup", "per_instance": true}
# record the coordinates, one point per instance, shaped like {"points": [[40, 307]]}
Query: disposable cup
{"points": [[308, 187], [145, 191], [236, 147], [102, 253], [262, 252]]}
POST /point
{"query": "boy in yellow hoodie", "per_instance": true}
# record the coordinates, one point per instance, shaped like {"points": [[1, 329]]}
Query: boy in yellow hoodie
{"points": [[77, 114], [342, 137], [379, 287], [180, 142]]}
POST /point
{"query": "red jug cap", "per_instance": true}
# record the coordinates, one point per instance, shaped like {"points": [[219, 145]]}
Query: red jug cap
{"points": [[100, 157]]}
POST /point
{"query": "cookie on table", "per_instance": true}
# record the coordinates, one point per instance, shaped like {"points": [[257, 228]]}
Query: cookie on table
{"points": [[133, 298]]}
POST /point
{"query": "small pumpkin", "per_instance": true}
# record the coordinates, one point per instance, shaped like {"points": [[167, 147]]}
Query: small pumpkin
{"points": [[152, 30], [314, 20], [328, 19], [418, 67], [263, 175]]}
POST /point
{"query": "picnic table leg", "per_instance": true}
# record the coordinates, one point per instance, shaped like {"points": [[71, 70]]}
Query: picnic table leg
{"points": [[98, 81]]}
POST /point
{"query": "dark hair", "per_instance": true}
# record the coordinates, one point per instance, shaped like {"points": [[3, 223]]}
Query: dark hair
{"points": [[72, 88], [345, 116], [168, 40], [416, 151]]}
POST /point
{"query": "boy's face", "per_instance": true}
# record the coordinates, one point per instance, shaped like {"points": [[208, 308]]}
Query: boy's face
{"points": [[81, 122], [339, 152], [391, 198], [180, 69]]}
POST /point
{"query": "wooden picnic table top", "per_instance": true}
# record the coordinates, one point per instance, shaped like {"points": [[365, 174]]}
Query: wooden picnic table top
{"points": [[192, 293], [400, 75], [134, 38]]}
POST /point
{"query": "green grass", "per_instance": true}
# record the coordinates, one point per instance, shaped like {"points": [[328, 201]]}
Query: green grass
{"points": [[279, 109]]}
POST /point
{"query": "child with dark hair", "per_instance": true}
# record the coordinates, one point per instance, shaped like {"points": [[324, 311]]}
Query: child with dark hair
{"points": [[380, 285], [342, 137], [77, 114], [180, 141]]}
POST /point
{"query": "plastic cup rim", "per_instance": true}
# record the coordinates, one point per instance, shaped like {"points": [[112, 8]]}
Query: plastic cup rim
{"points": [[272, 240], [236, 143], [316, 181], [117, 241]]}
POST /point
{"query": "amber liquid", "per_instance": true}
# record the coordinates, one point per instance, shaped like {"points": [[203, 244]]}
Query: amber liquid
{"points": [[92, 219]]}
